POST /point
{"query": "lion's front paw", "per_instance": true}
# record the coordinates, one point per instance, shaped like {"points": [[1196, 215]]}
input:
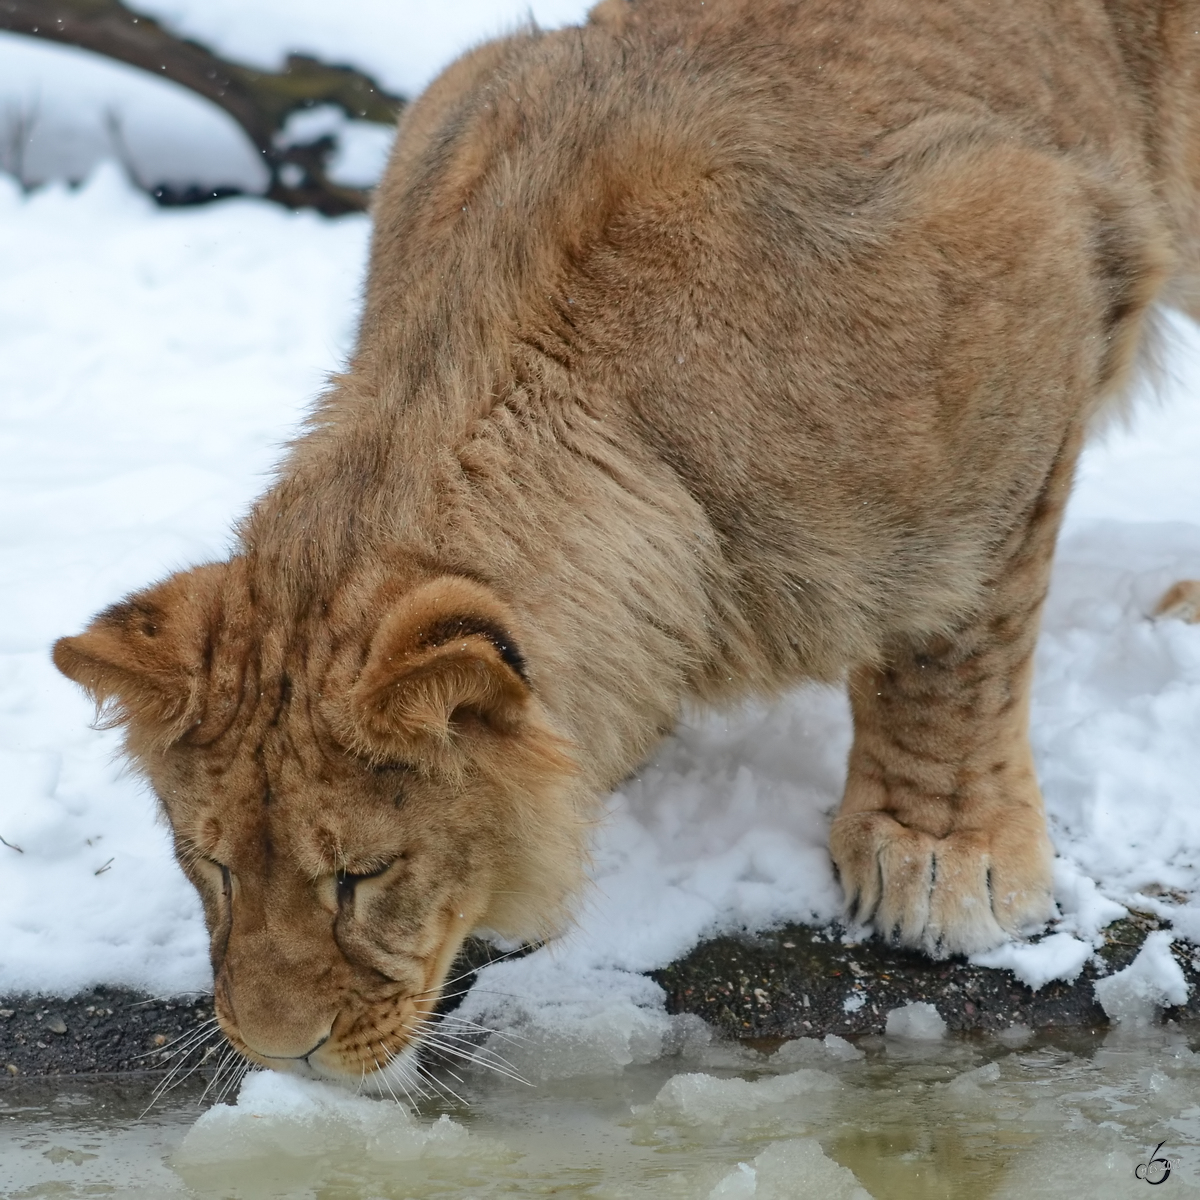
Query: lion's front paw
{"points": [[1181, 602], [958, 894]]}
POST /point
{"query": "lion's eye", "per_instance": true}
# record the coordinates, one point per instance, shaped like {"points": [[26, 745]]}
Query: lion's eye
{"points": [[347, 881], [226, 876]]}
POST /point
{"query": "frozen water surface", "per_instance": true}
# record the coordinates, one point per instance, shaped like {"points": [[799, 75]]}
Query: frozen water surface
{"points": [[1022, 1118]]}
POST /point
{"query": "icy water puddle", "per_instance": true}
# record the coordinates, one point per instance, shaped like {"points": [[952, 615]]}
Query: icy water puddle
{"points": [[1057, 1115]]}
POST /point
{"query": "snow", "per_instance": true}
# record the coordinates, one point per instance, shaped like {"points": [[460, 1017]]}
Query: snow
{"points": [[361, 147], [151, 364], [1152, 981], [1059, 956]]}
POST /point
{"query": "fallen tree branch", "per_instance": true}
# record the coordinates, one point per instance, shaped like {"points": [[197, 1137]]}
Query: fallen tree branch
{"points": [[259, 101]]}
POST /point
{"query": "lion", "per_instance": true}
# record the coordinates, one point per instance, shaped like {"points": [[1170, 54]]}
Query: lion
{"points": [[706, 349]]}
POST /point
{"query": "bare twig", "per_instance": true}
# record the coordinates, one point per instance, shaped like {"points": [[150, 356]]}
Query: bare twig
{"points": [[116, 138], [11, 846], [260, 101], [19, 122]]}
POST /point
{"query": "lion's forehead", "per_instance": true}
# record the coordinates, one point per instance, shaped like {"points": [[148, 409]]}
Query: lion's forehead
{"points": [[319, 826]]}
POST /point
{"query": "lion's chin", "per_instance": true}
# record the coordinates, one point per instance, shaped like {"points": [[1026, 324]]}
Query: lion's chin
{"points": [[397, 1079]]}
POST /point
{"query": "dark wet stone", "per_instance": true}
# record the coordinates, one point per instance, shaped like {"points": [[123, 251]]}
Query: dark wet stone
{"points": [[103, 1030], [797, 981], [114, 1030], [789, 982]]}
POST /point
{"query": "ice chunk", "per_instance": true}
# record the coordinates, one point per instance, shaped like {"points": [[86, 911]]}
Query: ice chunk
{"points": [[554, 1044], [838, 1047], [282, 1114], [701, 1099], [968, 1082], [787, 1170], [919, 1021], [1059, 956], [804, 1051], [808, 1051], [557, 1022], [740, 1184], [1152, 981]]}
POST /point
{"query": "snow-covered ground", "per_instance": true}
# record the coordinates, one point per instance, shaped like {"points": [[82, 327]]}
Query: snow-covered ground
{"points": [[151, 363]]}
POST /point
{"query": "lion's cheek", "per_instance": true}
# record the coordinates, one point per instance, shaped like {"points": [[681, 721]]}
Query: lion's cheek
{"points": [[411, 932]]}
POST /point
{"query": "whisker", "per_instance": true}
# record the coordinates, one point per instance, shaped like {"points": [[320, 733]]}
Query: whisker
{"points": [[188, 1039], [176, 1067], [406, 1076], [167, 999], [240, 1069], [165, 1085], [443, 996], [520, 950], [489, 1066], [187, 1036], [444, 1066], [477, 1056], [199, 1043], [226, 1071], [462, 1039], [382, 1072], [444, 1087], [182, 1055], [505, 1035], [408, 1071], [221, 1062]]}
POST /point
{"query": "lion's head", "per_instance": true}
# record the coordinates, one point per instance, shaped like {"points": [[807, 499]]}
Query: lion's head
{"points": [[352, 793]]}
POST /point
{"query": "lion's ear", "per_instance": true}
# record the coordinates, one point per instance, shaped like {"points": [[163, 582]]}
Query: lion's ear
{"points": [[146, 661], [443, 662]]}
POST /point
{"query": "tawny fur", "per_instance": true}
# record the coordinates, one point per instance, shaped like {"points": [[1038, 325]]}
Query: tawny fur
{"points": [[706, 349]]}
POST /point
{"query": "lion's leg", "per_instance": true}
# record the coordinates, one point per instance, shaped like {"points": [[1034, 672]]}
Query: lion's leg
{"points": [[941, 839]]}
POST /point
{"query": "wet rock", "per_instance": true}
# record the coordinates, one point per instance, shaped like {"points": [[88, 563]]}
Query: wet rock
{"points": [[114, 1030], [104, 1030], [798, 981], [795, 981]]}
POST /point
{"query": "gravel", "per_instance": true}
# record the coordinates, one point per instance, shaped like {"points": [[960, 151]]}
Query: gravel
{"points": [[795, 981]]}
